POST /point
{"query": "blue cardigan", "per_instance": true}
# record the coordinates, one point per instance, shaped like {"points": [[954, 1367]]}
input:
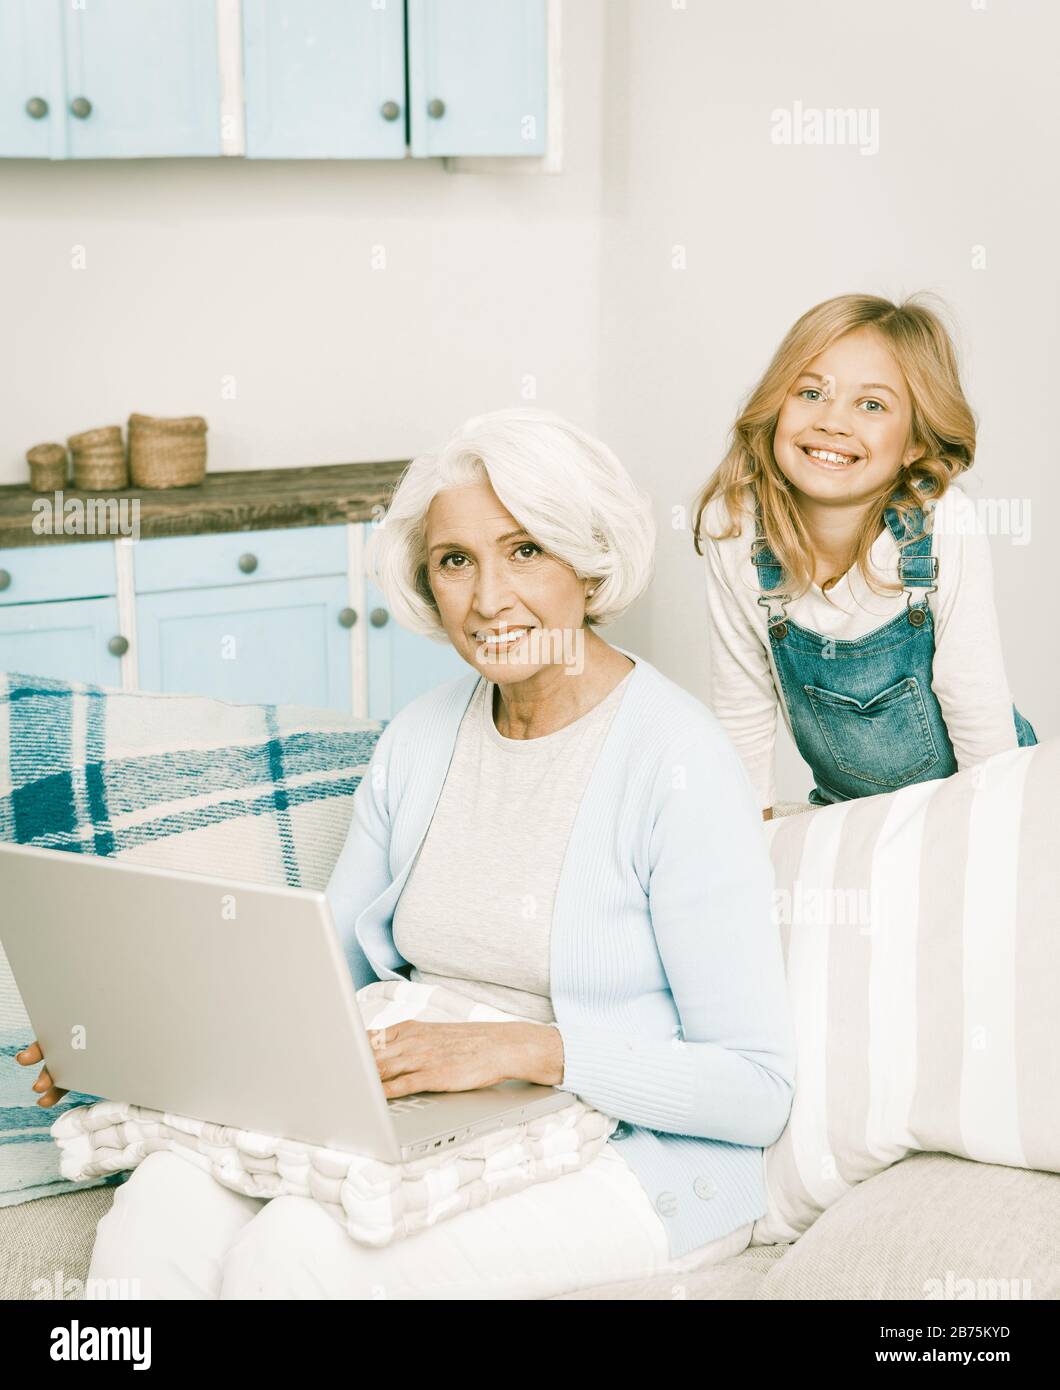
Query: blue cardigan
{"points": [[667, 976]]}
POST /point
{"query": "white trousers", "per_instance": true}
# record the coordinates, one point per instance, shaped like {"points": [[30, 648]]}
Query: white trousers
{"points": [[174, 1232]]}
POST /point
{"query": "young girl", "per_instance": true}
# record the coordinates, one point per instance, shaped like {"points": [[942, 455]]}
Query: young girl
{"points": [[846, 577]]}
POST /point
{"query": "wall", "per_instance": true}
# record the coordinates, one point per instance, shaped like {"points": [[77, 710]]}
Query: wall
{"points": [[198, 271]]}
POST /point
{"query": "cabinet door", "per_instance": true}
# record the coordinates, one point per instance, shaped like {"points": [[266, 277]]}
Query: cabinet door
{"points": [[401, 664], [32, 109], [324, 79], [148, 72], [477, 77], [67, 641], [38, 573], [279, 642]]}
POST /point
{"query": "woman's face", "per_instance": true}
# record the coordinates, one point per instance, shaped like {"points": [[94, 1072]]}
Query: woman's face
{"points": [[488, 576], [843, 430]]}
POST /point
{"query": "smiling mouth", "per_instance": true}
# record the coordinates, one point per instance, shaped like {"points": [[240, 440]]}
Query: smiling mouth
{"points": [[829, 458], [501, 641]]}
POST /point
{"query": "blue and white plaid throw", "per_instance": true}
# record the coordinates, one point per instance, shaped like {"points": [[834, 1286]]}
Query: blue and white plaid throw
{"points": [[259, 792]]}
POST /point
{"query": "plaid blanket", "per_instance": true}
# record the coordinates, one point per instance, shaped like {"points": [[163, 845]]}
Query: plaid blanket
{"points": [[376, 1202], [261, 792]]}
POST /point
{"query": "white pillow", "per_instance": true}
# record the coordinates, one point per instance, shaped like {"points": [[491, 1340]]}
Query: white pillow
{"points": [[921, 934]]}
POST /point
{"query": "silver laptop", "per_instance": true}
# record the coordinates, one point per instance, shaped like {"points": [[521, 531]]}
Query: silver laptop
{"points": [[220, 1000]]}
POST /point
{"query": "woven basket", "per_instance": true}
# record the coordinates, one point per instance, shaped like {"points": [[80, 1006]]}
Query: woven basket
{"points": [[47, 467], [99, 459], [167, 453]]}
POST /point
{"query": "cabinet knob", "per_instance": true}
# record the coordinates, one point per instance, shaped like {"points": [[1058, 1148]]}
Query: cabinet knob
{"points": [[390, 110], [348, 617], [36, 107], [379, 617], [118, 646], [436, 108], [81, 107], [248, 563], [5, 579]]}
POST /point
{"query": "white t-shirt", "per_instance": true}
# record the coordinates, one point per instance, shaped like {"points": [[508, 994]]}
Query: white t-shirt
{"points": [[475, 914], [968, 675]]}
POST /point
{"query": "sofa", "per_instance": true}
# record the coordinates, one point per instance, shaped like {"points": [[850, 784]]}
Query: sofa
{"points": [[921, 1201], [931, 1227]]}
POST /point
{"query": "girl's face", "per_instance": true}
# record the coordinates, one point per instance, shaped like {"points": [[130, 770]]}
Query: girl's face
{"points": [[844, 428]]}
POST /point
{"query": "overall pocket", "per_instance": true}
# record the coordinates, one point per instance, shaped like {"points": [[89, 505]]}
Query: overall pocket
{"points": [[886, 741]]}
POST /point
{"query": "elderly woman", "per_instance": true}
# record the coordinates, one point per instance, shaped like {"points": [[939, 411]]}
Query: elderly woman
{"points": [[562, 833]]}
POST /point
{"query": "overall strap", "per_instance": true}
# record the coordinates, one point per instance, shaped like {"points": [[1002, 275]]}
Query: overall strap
{"points": [[770, 573], [770, 576], [918, 568]]}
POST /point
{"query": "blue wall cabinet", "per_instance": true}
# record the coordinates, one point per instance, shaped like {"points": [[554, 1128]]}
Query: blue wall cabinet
{"points": [[401, 664], [276, 643], [32, 97], [321, 79], [324, 79], [142, 78], [66, 641], [478, 77]]}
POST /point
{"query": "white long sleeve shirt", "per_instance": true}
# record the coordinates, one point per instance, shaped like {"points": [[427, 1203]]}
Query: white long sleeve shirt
{"points": [[968, 675]]}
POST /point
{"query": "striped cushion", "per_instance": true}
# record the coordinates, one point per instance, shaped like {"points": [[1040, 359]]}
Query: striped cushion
{"points": [[260, 792], [921, 933]]}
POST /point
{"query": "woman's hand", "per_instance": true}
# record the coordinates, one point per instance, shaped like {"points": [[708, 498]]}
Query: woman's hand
{"points": [[414, 1056], [26, 1058]]}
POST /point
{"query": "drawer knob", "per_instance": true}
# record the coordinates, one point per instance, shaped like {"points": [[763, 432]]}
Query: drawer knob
{"points": [[5, 579], [81, 107], [390, 110], [379, 617], [436, 109], [348, 617], [248, 563], [118, 646], [36, 107]]}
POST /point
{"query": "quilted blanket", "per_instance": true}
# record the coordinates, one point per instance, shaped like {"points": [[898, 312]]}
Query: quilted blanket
{"points": [[376, 1202]]}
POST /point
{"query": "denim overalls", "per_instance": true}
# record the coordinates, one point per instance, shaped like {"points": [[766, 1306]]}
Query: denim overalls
{"points": [[862, 710]]}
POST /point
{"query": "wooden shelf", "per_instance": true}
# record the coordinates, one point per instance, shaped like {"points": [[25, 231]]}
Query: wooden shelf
{"points": [[264, 499]]}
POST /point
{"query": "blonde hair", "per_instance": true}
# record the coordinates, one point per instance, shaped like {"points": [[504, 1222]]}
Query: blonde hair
{"points": [[562, 485], [943, 426]]}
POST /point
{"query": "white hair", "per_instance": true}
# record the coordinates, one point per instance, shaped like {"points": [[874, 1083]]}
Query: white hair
{"points": [[565, 488]]}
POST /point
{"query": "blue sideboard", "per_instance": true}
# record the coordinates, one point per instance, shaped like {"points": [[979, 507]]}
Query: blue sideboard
{"points": [[273, 79], [59, 612], [278, 616]]}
